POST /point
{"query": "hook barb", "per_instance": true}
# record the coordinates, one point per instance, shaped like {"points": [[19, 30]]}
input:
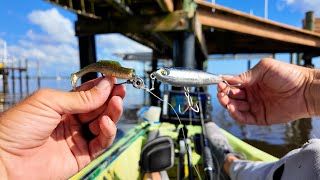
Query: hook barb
{"points": [[195, 109], [184, 111], [190, 102]]}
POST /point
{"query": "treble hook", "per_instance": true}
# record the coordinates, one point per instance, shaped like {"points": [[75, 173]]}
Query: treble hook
{"points": [[190, 102]]}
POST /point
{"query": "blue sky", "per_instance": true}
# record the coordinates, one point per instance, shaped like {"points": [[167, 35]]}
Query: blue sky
{"points": [[42, 32]]}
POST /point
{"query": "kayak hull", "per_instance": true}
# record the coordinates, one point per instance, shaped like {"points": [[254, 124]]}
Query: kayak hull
{"points": [[121, 161]]}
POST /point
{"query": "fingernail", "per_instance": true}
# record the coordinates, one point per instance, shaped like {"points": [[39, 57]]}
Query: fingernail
{"points": [[104, 83], [222, 94]]}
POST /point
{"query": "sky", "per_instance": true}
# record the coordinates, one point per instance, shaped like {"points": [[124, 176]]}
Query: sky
{"points": [[44, 33]]}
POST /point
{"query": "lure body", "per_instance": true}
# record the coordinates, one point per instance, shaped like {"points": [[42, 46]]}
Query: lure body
{"points": [[185, 77], [106, 67]]}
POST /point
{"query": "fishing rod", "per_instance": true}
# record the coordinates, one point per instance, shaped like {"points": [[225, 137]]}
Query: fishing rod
{"points": [[185, 148], [206, 153]]}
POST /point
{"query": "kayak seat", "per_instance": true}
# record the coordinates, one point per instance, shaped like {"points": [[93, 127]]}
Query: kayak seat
{"points": [[157, 155]]}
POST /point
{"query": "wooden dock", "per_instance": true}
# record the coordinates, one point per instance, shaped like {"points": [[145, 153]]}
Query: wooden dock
{"points": [[6, 71], [186, 31]]}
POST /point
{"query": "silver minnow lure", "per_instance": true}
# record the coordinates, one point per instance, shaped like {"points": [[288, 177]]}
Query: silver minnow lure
{"points": [[185, 77]]}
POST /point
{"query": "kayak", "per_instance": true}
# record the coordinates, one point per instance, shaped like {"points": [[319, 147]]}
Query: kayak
{"points": [[121, 161]]}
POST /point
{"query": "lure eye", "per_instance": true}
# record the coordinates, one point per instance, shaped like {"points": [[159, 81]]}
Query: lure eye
{"points": [[164, 72]]}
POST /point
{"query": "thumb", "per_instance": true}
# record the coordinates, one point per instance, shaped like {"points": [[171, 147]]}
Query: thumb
{"points": [[76, 102]]}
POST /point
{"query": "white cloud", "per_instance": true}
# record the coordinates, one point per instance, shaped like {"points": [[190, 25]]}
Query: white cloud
{"points": [[59, 28], [51, 41], [117, 43], [49, 53], [290, 1], [300, 5]]}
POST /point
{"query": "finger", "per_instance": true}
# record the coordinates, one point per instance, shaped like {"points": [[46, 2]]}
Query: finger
{"points": [[75, 102], [223, 99], [233, 80], [234, 92], [88, 85], [105, 138], [75, 141], [92, 115], [94, 127], [242, 106], [241, 117], [114, 108], [114, 111], [119, 90]]}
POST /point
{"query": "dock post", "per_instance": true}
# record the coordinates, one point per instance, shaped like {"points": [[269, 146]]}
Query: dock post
{"points": [[308, 25], [299, 58], [38, 75], [183, 50], [291, 58], [309, 21], [27, 77], [156, 91], [5, 80], [87, 53], [308, 61], [20, 78], [13, 80]]}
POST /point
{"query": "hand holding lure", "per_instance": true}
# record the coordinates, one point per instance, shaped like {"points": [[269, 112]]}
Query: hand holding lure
{"points": [[186, 77], [114, 69], [109, 68]]}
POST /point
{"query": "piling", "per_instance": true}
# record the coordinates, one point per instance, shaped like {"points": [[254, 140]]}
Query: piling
{"points": [[154, 63], [87, 54], [249, 64], [299, 58], [184, 50], [20, 77], [5, 81], [38, 75], [13, 80], [308, 24], [27, 77], [291, 58], [309, 21], [5, 70]]}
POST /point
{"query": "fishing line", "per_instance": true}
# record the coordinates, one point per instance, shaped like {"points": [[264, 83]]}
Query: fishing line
{"points": [[184, 137]]}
